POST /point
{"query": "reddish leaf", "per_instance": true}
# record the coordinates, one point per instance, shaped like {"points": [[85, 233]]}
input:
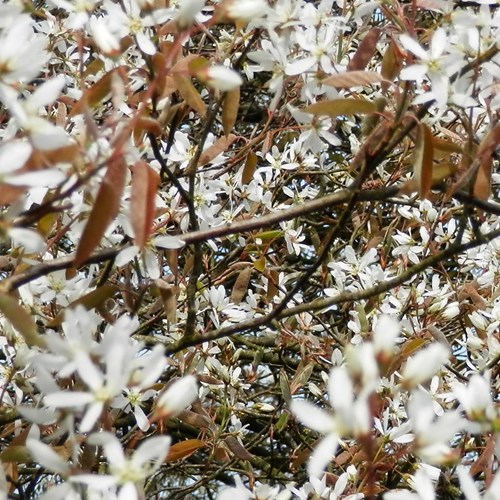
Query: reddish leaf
{"points": [[20, 319], [352, 79], [237, 448], [339, 107], [216, 149], [189, 93], [230, 110], [145, 182], [184, 449], [240, 287], [249, 168], [97, 92], [391, 64], [423, 160], [105, 209], [484, 157], [365, 51]]}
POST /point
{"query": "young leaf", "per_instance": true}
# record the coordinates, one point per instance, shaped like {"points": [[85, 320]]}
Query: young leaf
{"points": [[423, 158], [230, 110], [240, 287], [105, 209], [184, 449], [339, 107], [20, 319], [484, 157], [98, 92], [352, 79], [189, 93], [249, 168], [365, 50], [216, 149], [145, 182]]}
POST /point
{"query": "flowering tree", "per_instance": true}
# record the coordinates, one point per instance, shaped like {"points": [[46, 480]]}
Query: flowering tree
{"points": [[249, 249]]}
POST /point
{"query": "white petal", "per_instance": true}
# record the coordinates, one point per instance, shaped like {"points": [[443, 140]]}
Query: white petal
{"points": [[13, 155], [313, 417], [179, 395], [223, 78], [126, 255], [91, 415], [154, 449], [413, 46], [322, 455], [169, 242], [145, 44], [67, 399], [46, 456]]}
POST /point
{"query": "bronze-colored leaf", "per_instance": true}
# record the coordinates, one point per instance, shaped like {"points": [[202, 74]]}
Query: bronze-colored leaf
{"points": [[339, 107], [145, 181], [216, 149], [240, 287], [237, 448], [365, 50], [98, 92], [105, 209], [392, 62], [352, 79], [484, 158], [168, 294], [301, 377], [189, 93], [423, 158], [249, 168], [230, 110], [20, 319], [184, 449]]}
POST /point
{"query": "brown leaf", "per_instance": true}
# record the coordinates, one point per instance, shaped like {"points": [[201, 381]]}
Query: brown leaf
{"points": [[237, 448], [230, 110], [423, 158], [98, 92], [365, 50], [352, 79], [216, 149], [240, 287], [484, 462], [189, 93], [90, 300], [168, 294], [145, 181], [249, 168], [20, 319], [184, 449], [484, 159], [339, 107], [392, 62], [105, 209]]}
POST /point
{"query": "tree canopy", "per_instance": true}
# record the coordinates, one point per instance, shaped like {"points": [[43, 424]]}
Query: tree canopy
{"points": [[249, 249]]}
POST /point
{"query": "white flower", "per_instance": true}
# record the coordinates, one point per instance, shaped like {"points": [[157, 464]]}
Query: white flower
{"points": [[25, 113], [22, 52], [476, 399], [124, 472], [350, 416], [178, 396], [246, 10], [433, 63], [222, 78], [424, 364]]}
